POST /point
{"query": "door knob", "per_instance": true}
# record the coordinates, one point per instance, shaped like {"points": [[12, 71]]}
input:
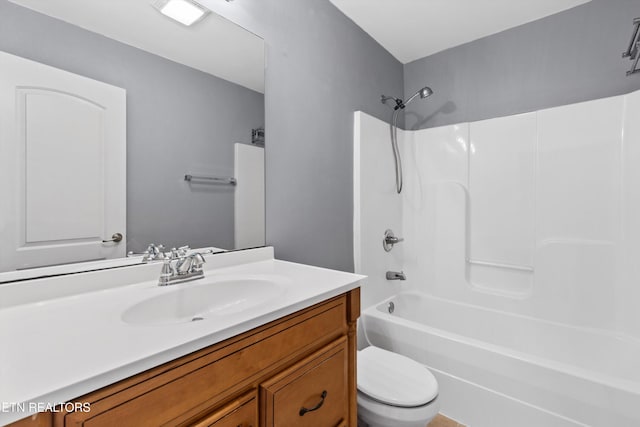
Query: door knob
{"points": [[117, 237]]}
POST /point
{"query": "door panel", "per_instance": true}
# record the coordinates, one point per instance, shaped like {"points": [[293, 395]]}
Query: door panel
{"points": [[62, 161], [60, 130]]}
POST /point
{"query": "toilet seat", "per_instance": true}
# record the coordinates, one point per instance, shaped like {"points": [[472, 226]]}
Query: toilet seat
{"points": [[394, 379], [376, 414]]}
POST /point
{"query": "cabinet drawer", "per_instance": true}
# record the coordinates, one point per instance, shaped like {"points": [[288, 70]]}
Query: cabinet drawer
{"points": [[312, 393], [242, 412], [183, 390]]}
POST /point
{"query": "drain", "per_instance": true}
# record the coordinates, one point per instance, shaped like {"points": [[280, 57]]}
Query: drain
{"points": [[391, 307], [195, 319]]}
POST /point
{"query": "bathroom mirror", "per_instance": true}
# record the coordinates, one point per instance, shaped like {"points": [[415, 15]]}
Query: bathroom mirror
{"points": [[193, 116]]}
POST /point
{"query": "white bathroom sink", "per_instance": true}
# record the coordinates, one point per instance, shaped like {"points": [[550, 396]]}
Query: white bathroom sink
{"points": [[195, 301]]}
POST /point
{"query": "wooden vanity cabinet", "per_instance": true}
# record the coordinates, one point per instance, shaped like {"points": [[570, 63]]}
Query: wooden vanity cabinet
{"points": [[263, 377]]}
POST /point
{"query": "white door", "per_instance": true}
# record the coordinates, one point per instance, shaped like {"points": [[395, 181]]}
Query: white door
{"points": [[62, 166]]}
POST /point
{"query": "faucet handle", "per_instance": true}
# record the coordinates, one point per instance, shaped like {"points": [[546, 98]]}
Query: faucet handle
{"points": [[154, 252], [166, 273], [183, 265], [197, 263]]}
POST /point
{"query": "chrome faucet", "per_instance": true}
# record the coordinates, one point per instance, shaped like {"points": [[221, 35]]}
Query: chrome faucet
{"points": [[396, 275], [186, 269], [153, 253]]}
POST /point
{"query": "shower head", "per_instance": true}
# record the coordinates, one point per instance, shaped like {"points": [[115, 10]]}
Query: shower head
{"points": [[400, 104], [425, 92]]}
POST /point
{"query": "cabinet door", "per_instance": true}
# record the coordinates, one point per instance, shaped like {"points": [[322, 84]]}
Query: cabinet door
{"points": [[242, 412], [312, 393]]}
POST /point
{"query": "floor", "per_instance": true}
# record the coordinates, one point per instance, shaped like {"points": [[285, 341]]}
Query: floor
{"points": [[442, 421]]}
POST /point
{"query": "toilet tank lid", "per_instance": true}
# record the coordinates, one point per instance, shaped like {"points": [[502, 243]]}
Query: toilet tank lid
{"points": [[394, 379]]}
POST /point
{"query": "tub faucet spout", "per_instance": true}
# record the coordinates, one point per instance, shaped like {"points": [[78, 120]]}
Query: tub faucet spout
{"points": [[396, 275]]}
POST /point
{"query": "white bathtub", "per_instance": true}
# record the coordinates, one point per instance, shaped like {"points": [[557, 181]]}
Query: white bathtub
{"points": [[516, 370]]}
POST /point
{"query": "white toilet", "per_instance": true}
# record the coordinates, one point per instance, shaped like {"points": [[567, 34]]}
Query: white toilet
{"points": [[394, 390]]}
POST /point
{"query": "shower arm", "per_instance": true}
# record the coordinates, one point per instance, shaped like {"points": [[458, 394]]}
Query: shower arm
{"points": [[411, 99], [399, 103]]}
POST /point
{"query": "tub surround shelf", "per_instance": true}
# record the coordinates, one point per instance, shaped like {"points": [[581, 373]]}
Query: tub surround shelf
{"points": [[501, 265], [90, 346]]}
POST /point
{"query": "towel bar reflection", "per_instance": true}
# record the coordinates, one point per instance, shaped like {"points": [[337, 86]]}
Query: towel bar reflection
{"points": [[211, 179]]}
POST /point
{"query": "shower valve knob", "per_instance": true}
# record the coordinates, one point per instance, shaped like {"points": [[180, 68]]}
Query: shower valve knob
{"points": [[389, 240]]}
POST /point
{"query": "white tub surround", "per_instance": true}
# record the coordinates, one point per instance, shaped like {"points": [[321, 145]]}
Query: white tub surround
{"points": [[533, 216], [65, 336]]}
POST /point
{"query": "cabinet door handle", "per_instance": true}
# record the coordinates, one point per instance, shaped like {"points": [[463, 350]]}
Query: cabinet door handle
{"points": [[304, 410]]}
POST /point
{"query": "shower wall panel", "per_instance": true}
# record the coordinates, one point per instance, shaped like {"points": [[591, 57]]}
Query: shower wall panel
{"points": [[554, 193], [579, 182], [377, 207], [502, 204], [434, 205]]}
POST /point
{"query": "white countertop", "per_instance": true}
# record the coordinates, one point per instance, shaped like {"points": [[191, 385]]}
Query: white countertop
{"points": [[73, 340]]}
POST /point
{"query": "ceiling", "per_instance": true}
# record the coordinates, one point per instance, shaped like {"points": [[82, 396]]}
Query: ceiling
{"points": [[215, 45], [413, 29]]}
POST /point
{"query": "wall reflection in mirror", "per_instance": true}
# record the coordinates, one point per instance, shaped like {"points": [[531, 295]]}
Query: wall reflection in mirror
{"points": [[117, 120]]}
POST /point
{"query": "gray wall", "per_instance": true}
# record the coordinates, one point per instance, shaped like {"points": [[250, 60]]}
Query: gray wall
{"points": [[179, 120], [569, 57], [321, 67]]}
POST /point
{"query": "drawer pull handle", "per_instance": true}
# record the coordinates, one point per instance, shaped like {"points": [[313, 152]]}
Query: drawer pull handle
{"points": [[304, 410]]}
